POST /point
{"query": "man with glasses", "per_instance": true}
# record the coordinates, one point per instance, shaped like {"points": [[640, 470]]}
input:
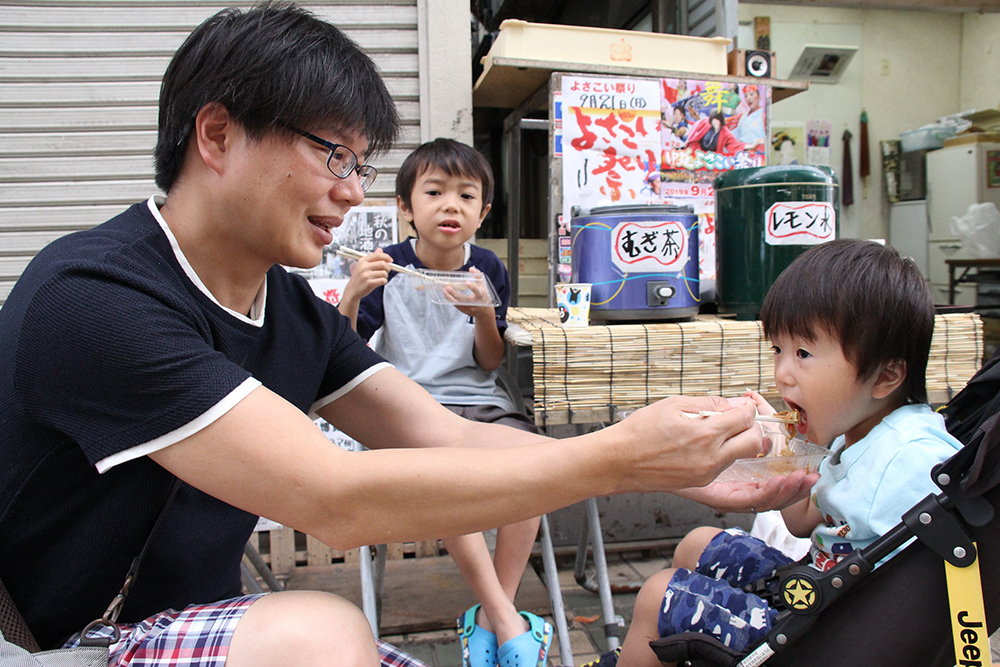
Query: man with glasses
{"points": [[168, 343], [342, 160]]}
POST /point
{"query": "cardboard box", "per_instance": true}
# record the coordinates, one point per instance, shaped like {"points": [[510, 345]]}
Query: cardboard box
{"points": [[987, 120], [604, 46], [972, 138]]}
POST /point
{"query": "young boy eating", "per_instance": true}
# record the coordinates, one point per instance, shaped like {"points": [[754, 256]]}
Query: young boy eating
{"points": [[851, 324], [444, 189]]}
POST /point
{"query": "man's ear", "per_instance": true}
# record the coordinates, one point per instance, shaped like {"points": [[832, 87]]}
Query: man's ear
{"points": [[890, 377], [212, 134]]}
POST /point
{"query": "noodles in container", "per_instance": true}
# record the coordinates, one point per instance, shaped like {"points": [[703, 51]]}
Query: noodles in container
{"points": [[786, 456], [449, 288], [788, 451]]}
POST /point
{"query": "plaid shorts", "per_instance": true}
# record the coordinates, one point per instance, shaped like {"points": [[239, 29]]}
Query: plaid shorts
{"points": [[711, 601], [198, 636]]}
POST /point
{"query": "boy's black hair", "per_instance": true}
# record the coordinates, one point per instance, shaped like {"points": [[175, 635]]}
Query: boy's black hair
{"points": [[453, 158], [271, 66], [867, 296]]}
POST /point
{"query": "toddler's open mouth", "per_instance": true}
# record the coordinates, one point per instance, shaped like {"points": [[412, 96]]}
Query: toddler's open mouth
{"points": [[802, 426]]}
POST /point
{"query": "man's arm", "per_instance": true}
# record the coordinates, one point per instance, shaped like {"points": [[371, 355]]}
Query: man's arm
{"points": [[268, 458]]}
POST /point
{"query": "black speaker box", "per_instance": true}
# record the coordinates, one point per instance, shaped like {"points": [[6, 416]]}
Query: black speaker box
{"points": [[751, 62]]}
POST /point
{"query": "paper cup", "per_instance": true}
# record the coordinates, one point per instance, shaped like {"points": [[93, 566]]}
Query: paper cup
{"points": [[573, 300]]}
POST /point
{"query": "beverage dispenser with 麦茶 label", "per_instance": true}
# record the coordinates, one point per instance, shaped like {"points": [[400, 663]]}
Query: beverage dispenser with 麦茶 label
{"points": [[641, 261], [765, 217]]}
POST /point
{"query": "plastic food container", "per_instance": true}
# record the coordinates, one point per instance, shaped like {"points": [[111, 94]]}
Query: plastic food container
{"points": [[927, 137], [458, 288], [799, 455]]}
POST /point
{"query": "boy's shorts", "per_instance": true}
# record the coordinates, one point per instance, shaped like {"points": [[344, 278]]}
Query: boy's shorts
{"points": [[198, 636], [494, 414], [710, 599]]}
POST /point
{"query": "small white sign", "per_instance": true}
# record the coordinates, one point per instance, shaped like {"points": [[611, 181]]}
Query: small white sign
{"points": [[800, 223], [651, 246]]}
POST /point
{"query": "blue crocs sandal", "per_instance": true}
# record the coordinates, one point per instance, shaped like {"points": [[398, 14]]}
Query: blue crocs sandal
{"points": [[530, 649], [479, 646]]}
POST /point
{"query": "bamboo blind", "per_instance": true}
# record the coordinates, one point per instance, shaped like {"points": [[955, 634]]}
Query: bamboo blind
{"points": [[589, 374]]}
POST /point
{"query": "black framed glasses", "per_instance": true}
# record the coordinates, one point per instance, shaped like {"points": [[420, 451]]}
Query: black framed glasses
{"points": [[342, 160]]}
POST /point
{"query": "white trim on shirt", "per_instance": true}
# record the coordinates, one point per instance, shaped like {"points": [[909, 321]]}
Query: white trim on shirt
{"points": [[358, 379], [197, 424], [256, 310]]}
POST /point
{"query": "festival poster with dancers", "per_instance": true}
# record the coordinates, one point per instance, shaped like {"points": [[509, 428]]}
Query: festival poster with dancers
{"points": [[709, 127]]}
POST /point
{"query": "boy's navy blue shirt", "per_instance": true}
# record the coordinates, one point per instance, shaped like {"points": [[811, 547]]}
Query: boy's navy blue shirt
{"points": [[110, 350], [434, 344]]}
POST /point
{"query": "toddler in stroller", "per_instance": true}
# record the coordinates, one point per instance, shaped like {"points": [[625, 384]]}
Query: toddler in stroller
{"points": [[857, 377]]}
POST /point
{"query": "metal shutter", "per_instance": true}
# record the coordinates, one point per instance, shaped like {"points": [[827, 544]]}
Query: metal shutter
{"points": [[79, 83], [708, 18]]}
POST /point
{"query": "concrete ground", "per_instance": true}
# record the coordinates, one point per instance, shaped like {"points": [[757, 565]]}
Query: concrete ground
{"points": [[627, 571], [583, 608]]}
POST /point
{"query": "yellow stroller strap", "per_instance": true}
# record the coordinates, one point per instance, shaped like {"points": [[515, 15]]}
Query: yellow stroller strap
{"points": [[968, 615]]}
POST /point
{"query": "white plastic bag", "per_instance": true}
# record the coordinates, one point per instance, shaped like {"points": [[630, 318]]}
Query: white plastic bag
{"points": [[979, 230]]}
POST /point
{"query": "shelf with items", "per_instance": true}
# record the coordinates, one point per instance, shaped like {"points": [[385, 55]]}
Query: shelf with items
{"points": [[508, 82]]}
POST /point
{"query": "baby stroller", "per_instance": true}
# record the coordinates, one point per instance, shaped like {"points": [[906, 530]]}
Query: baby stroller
{"points": [[900, 613]]}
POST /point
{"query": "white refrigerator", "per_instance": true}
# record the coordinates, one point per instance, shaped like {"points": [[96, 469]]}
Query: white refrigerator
{"points": [[957, 177]]}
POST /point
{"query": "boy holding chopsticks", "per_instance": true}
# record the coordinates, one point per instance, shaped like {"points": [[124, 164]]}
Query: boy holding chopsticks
{"points": [[443, 190], [851, 323]]}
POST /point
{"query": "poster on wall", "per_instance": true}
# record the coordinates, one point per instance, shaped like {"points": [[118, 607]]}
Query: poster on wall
{"points": [[610, 142], [708, 127], [365, 228], [788, 143], [818, 142]]}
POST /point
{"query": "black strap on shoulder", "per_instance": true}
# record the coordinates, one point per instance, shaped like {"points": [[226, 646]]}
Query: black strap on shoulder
{"points": [[111, 614]]}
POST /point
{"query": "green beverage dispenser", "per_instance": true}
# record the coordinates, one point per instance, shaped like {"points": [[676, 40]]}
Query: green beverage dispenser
{"points": [[766, 217]]}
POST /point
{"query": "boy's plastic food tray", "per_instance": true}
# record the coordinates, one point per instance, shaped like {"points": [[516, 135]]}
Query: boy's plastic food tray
{"points": [[799, 455], [459, 288]]}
